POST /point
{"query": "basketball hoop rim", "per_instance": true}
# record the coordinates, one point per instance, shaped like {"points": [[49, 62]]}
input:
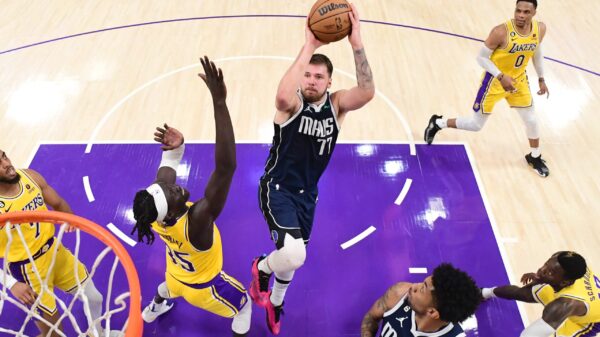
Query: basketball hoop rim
{"points": [[135, 324]]}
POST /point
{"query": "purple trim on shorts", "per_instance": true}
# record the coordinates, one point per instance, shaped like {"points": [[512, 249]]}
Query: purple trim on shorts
{"points": [[225, 289], [485, 85], [15, 267], [593, 332]]}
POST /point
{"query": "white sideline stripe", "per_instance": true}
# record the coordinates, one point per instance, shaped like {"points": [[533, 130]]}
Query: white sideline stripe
{"points": [[116, 231], [417, 270], [496, 231], [116, 107], [404, 192], [88, 189], [358, 238]]}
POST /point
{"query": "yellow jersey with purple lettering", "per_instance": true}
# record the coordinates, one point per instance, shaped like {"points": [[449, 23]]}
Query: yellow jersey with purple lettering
{"points": [[586, 290], [35, 234], [185, 262], [512, 60]]}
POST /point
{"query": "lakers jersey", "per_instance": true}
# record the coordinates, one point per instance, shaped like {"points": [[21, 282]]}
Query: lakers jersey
{"points": [[185, 262], [303, 145], [400, 322], [512, 60], [36, 234], [585, 289]]}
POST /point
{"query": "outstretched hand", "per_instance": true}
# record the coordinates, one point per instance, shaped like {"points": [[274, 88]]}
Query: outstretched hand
{"points": [[169, 137], [213, 77]]}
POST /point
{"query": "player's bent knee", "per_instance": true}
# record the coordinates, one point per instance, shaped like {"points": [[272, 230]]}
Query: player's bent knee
{"points": [[295, 253]]}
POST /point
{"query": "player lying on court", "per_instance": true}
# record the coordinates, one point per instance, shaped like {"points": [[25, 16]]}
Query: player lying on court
{"points": [[194, 252], [307, 124], [504, 57], [434, 307], [569, 292], [27, 190]]}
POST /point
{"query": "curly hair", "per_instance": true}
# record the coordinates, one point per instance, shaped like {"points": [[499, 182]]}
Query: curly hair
{"points": [[144, 213], [455, 294]]}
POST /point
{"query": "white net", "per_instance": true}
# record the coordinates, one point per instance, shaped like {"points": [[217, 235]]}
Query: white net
{"points": [[96, 319]]}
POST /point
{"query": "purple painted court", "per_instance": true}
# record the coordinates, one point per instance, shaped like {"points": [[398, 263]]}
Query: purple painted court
{"points": [[441, 219]]}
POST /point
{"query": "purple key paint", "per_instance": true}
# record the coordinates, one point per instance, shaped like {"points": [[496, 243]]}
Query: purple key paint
{"points": [[442, 219]]}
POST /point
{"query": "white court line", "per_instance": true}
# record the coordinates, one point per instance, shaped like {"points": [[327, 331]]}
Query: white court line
{"points": [[404, 192], [32, 154], [501, 247], [116, 231], [358, 238], [105, 118], [417, 270], [88, 189]]}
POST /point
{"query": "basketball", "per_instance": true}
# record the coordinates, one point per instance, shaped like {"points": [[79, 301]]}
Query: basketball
{"points": [[329, 20]]}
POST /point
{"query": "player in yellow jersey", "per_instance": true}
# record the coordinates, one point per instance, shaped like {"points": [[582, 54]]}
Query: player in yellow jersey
{"points": [[194, 252], [505, 56], [27, 190], [569, 291]]}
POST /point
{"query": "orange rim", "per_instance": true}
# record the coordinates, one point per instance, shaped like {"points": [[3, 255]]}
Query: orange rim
{"points": [[135, 325]]}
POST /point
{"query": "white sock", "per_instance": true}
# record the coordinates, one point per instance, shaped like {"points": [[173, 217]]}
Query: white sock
{"points": [[280, 286], [241, 321], [442, 122], [536, 152], [264, 266], [95, 303]]}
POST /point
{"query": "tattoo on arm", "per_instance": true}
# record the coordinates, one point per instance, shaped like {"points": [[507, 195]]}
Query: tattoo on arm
{"points": [[364, 74], [370, 323], [369, 326]]}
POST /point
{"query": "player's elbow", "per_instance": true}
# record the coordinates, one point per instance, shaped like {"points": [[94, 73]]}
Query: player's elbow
{"points": [[282, 102]]}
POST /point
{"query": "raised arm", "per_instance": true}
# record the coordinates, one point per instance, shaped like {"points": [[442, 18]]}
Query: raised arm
{"points": [[51, 197], [364, 91], [370, 323], [205, 211], [286, 101]]}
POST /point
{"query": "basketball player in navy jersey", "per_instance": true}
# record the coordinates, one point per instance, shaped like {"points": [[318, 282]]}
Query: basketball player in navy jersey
{"points": [[307, 124], [432, 308]]}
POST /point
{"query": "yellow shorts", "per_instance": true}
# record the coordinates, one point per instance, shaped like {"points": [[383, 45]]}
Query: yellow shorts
{"points": [[572, 329], [491, 92], [61, 276], [223, 295]]}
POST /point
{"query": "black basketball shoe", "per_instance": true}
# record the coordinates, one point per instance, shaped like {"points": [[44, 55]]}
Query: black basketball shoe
{"points": [[538, 164], [432, 129]]}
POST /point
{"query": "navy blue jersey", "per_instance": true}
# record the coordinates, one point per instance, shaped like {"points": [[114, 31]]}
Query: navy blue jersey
{"points": [[302, 146], [400, 322]]}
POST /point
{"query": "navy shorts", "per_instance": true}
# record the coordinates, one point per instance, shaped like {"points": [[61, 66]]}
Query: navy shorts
{"points": [[287, 210]]}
